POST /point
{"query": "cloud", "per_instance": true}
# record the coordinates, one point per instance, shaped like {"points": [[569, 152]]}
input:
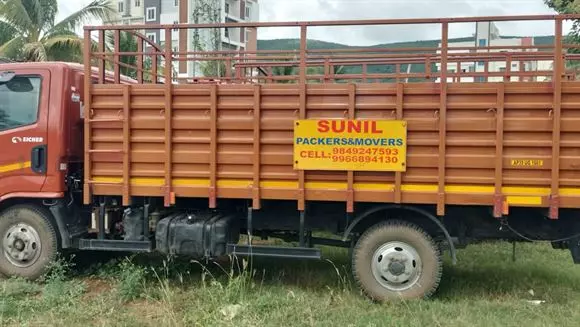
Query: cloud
{"points": [[67, 7], [299, 10], [282, 10]]}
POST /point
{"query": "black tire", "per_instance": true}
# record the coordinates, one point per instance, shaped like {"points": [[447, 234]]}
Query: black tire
{"points": [[421, 283], [34, 227]]}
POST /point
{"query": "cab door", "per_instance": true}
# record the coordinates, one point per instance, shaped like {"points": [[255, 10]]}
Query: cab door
{"points": [[24, 105]]}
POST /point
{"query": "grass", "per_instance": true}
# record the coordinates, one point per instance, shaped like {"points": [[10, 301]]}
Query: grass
{"points": [[485, 288]]}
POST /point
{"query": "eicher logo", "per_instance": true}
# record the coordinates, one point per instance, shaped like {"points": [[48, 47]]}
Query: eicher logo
{"points": [[27, 139]]}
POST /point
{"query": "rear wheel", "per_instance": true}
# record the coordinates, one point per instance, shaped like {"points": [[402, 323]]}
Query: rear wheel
{"points": [[396, 260], [29, 242]]}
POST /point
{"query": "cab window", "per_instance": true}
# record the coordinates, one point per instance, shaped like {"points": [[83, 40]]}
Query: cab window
{"points": [[19, 101]]}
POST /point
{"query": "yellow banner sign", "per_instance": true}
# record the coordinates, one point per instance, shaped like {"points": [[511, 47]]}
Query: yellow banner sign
{"points": [[358, 145]]}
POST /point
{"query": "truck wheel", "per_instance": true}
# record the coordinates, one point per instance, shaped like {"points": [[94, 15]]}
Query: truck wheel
{"points": [[29, 242], [396, 260]]}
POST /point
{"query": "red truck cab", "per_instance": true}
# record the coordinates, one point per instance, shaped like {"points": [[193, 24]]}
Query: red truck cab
{"points": [[40, 128], [41, 137]]}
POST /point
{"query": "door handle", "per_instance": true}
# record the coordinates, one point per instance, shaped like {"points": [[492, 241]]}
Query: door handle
{"points": [[38, 159]]}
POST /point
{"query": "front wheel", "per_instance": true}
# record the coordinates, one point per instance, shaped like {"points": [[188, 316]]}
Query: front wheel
{"points": [[29, 242], [396, 260]]}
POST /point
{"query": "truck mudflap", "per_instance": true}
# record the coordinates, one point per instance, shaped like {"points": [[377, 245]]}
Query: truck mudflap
{"points": [[197, 235], [574, 246]]}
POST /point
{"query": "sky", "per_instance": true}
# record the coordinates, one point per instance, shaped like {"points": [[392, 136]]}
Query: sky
{"points": [[297, 10]]}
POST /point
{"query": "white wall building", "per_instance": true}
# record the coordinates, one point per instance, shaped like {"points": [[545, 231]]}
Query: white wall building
{"points": [[184, 11], [156, 12], [128, 12], [487, 34]]}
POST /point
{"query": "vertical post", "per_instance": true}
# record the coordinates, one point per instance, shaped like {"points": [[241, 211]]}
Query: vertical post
{"points": [[229, 70], [557, 108], [146, 220], [443, 120], [365, 72], [154, 63], [428, 68], [499, 119], [102, 216], [101, 48], [302, 111], [508, 69], [257, 155], [239, 75], [486, 70], [87, 110], [184, 10], [213, 148], [126, 145], [327, 72], [168, 196], [140, 66], [249, 228], [398, 175], [302, 229], [350, 173], [117, 56]]}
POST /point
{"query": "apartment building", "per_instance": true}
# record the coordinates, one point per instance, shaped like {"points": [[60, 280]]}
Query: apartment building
{"points": [[487, 34], [155, 12], [128, 12]]}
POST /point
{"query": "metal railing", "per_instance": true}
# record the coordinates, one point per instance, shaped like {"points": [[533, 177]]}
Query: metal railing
{"points": [[126, 50]]}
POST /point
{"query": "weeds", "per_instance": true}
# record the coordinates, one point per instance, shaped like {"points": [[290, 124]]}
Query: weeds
{"points": [[131, 281], [59, 289], [485, 289]]}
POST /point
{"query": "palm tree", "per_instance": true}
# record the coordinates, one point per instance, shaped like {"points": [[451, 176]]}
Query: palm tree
{"points": [[29, 31], [127, 43]]}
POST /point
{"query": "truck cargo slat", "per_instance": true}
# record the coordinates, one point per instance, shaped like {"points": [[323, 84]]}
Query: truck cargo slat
{"points": [[470, 139]]}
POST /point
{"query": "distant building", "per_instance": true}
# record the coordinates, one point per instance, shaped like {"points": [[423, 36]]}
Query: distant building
{"points": [[128, 12], [155, 12], [487, 34]]}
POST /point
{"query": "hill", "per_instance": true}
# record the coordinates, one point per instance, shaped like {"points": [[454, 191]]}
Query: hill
{"points": [[294, 44]]}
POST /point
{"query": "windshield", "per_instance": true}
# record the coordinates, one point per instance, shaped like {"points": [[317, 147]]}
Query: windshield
{"points": [[19, 99]]}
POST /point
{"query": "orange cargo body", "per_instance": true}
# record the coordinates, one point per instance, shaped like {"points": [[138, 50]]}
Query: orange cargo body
{"points": [[494, 143], [482, 120]]}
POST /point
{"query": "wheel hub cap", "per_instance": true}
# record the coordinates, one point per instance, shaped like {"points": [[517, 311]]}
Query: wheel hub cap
{"points": [[21, 245], [396, 266]]}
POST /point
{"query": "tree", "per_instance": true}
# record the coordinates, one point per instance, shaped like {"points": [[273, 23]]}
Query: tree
{"points": [[29, 32], [313, 70], [208, 11], [564, 6], [127, 43], [284, 71], [569, 7]]}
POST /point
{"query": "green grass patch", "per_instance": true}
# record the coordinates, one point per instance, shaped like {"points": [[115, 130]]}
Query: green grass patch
{"points": [[485, 288]]}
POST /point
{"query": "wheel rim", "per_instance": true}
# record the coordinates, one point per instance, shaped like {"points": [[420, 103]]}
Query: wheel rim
{"points": [[21, 245], [396, 266]]}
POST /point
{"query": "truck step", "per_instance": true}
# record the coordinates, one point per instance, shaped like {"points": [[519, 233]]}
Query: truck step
{"points": [[275, 252], [115, 245]]}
